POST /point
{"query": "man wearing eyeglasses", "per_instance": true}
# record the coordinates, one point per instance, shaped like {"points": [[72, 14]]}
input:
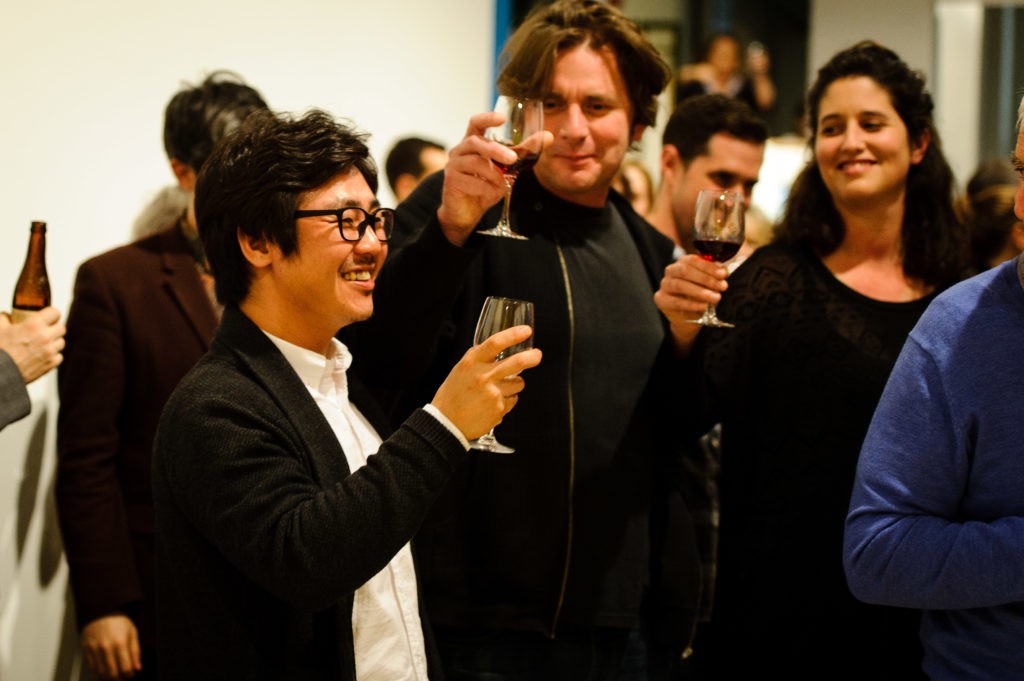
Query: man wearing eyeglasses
{"points": [[284, 516]]}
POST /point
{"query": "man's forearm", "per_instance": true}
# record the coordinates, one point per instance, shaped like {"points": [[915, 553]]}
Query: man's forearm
{"points": [[14, 400]]}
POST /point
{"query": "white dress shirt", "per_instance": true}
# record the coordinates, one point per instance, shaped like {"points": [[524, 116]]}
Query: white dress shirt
{"points": [[386, 629]]}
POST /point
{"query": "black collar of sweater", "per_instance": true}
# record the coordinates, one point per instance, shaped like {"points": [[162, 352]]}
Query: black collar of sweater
{"points": [[541, 213]]}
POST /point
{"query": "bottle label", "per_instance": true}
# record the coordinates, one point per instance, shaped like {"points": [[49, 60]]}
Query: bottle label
{"points": [[19, 315]]}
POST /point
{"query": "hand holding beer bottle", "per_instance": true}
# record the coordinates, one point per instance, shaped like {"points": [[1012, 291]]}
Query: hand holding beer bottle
{"points": [[32, 334], [32, 293]]}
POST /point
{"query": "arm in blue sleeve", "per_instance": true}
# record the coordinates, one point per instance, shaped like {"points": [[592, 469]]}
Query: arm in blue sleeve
{"points": [[908, 542]]}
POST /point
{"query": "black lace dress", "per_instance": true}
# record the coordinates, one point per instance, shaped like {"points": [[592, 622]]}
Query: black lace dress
{"points": [[795, 385]]}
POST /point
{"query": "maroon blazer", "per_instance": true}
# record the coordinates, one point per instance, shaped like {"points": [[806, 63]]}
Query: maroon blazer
{"points": [[139, 320]]}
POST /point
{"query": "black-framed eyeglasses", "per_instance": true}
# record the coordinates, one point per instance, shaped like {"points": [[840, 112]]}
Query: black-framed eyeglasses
{"points": [[353, 221]]}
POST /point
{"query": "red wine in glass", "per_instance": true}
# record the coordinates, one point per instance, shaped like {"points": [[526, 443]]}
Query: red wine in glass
{"points": [[523, 132], [715, 250], [527, 159], [717, 236]]}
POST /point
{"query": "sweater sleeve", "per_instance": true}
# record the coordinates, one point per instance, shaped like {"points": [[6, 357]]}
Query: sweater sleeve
{"points": [[14, 400], [242, 480], [908, 541]]}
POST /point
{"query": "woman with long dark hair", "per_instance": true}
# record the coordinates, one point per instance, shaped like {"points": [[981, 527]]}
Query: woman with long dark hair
{"points": [[869, 236]]}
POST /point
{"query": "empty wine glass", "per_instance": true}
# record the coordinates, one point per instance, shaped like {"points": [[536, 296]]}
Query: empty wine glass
{"points": [[497, 315], [717, 236], [523, 133]]}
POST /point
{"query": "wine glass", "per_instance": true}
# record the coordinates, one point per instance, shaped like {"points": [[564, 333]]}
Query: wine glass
{"points": [[523, 132], [497, 315], [717, 236]]}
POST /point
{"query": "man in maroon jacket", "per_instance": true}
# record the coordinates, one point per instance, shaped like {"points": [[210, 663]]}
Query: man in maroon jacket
{"points": [[142, 315]]}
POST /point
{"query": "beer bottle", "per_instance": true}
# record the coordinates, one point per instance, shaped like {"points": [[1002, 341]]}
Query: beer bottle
{"points": [[33, 290]]}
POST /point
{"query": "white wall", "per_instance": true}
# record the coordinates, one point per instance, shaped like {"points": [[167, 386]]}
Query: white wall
{"points": [[84, 85], [957, 88], [905, 26]]}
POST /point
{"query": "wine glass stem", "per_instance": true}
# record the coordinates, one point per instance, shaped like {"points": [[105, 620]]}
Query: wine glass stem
{"points": [[506, 204]]}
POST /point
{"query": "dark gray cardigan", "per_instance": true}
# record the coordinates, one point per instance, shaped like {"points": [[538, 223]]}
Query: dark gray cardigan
{"points": [[262, 534]]}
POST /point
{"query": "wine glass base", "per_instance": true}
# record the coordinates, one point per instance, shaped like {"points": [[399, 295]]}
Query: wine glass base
{"points": [[507, 233], [712, 321], [489, 443]]}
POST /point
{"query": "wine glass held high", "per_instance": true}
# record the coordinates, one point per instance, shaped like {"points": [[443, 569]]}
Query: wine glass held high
{"points": [[497, 315], [523, 133], [717, 236]]}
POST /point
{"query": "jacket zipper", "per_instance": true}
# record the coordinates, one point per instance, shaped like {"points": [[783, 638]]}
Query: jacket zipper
{"points": [[572, 441]]}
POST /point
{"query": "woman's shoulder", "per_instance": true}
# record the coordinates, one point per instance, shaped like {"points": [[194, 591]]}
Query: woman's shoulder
{"points": [[772, 277], [774, 260]]}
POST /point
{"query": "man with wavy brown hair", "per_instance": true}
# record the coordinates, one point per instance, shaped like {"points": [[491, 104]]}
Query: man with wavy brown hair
{"points": [[548, 563]]}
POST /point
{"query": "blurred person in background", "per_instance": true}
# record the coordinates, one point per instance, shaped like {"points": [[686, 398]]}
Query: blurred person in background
{"points": [[409, 161], [721, 71], [634, 182], [141, 316], [987, 210], [166, 205], [709, 142]]}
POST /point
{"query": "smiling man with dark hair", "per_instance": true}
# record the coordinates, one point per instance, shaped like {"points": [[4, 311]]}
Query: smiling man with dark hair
{"points": [[284, 515]]}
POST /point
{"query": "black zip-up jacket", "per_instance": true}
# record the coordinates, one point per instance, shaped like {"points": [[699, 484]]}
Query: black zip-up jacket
{"points": [[497, 551]]}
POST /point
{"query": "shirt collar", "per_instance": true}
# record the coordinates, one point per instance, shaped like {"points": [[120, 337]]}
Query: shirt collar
{"points": [[323, 373]]}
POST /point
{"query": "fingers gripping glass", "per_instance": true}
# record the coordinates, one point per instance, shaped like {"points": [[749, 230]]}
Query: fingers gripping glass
{"points": [[353, 221], [523, 132], [497, 315]]}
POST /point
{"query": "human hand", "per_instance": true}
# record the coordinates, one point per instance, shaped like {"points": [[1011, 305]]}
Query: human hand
{"points": [[472, 184], [478, 392], [35, 344], [689, 285], [110, 647], [758, 62]]}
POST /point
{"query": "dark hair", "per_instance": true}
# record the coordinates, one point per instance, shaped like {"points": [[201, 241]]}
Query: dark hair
{"points": [[405, 157], [932, 239], [697, 119], [529, 56], [197, 117], [986, 209], [253, 182]]}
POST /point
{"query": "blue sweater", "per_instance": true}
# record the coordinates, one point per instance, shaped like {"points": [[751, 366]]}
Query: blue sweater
{"points": [[936, 519]]}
